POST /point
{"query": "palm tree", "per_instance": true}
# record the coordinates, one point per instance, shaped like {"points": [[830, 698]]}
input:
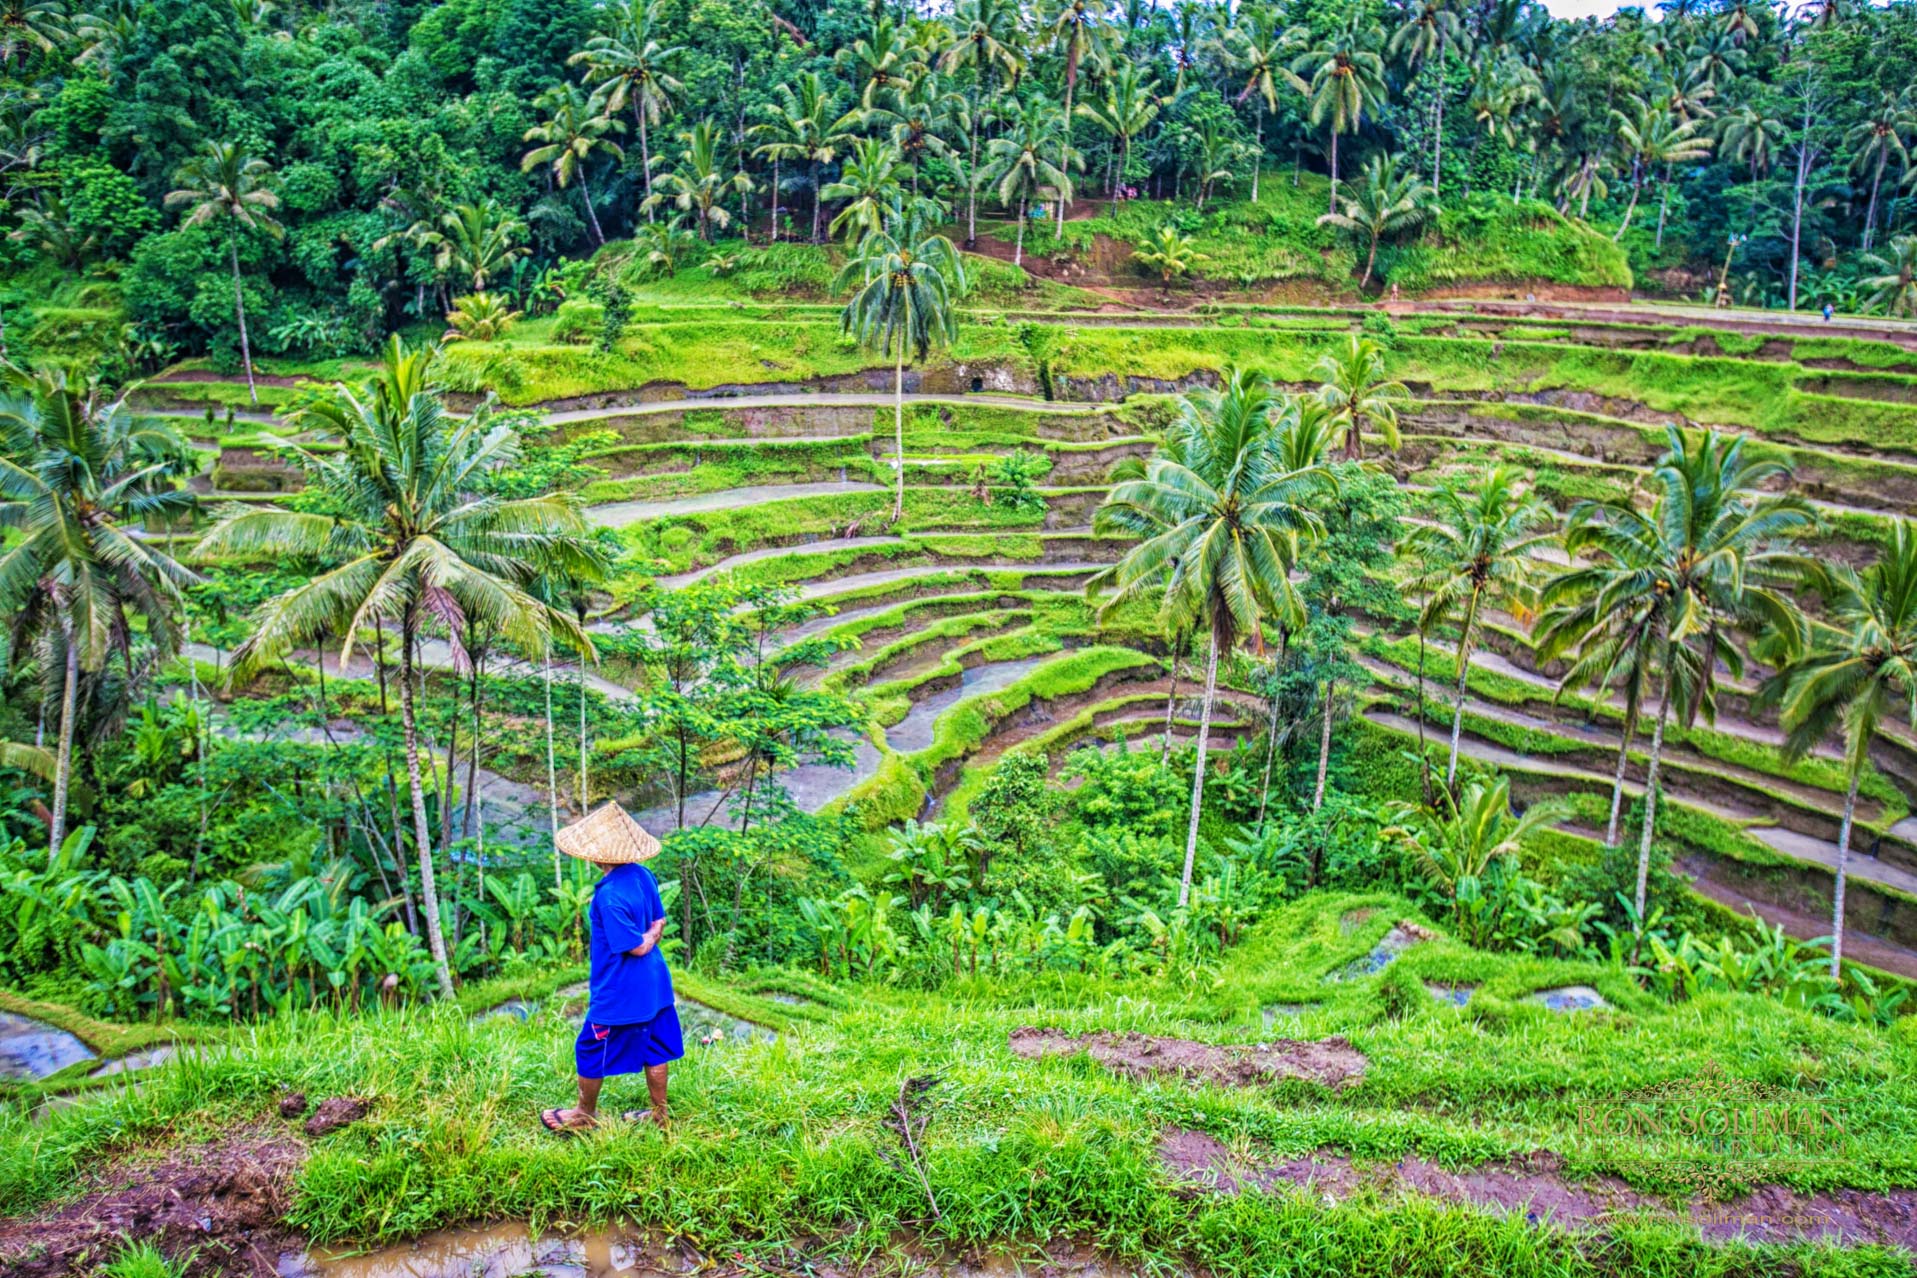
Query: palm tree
{"points": [[225, 185], [1874, 141], [632, 68], [907, 283], [1383, 202], [987, 38], [1355, 390], [700, 181], [575, 127], [1347, 79], [1257, 48], [1423, 38], [870, 186], [883, 62], [478, 241], [1710, 555], [1458, 841], [1750, 136], [1077, 27], [1217, 151], [1895, 289], [1220, 522], [408, 539], [1130, 106], [1480, 551], [76, 472], [28, 26], [1651, 138], [805, 127], [1860, 669], [1171, 253], [1020, 167]]}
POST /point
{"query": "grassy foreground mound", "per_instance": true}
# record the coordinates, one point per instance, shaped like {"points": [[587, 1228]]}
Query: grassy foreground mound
{"points": [[787, 1142]]}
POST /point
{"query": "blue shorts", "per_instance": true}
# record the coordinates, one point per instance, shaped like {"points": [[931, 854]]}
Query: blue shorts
{"points": [[605, 1050]]}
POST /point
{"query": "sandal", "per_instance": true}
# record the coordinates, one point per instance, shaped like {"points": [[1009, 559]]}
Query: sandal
{"points": [[550, 1120]]}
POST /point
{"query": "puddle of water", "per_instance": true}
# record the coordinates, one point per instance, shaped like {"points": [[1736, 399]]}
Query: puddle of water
{"points": [[1275, 1012], [1399, 939], [914, 731], [1456, 995], [134, 1061], [1569, 998], [35, 1049]]}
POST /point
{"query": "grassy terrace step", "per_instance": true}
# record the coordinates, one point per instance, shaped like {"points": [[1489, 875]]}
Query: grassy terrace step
{"points": [[823, 561], [904, 781]]}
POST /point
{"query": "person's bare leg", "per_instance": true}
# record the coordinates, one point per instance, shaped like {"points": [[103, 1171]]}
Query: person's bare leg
{"points": [[587, 1111], [656, 1090]]}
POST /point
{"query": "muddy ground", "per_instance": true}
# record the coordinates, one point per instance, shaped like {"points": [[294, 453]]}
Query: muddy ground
{"points": [[1535, 1185], [1332, 1062]]}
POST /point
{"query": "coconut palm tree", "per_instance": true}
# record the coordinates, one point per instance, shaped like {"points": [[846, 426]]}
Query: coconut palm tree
{"points": [[1258, 49], [1457, 842], [1020, 168], [1383, 202], [1077, 27], [1895, 287], [1711, 555], [409, 539], [1356, 391], [631, 67], [1860, 669], [871, 187], [476, 242], [907, 283], [1651, 139], [699, 182], [1424, 36], [1171, 253], [806, 127], [1480, 551], [882, 62], [987, 39], [1347, 80], [576, 128], [1220, 523], [224, 186], [77, 471], [1874, 141], [1128, 109]]}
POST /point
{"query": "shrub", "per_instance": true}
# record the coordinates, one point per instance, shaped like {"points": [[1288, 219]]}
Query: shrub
{"points": [[578, 321]]}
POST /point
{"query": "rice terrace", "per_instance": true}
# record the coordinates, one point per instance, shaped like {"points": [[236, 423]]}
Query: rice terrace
{"points": [[998, 638]]}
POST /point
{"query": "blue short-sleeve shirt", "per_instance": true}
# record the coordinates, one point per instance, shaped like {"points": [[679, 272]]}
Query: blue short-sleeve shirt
{"points": [[626, 990]]}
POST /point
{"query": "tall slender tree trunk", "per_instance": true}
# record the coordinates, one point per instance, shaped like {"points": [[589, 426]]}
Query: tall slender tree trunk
{"points": [[1271, 757], [1629, 209], [775, 201], [1870, 213], [1334, 169], [592, 214], [818, 205], [552, 778], [1797, 201], [1617, 780], [971, 169], [1424, 754], [63, 767], [429, 891], [1464, 675], [1650, 798], [239, 313], [1663, 203], [1437, 127], [645, 156], [585, 785], [898, 434], [1018, 246], [1171, 701], [1324, 747], [1258, 147], [1065, 137], [1198, 769], [1843, 862]]}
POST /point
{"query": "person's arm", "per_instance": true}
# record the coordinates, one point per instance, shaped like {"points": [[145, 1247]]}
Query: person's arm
{"points": [[651, 941]]}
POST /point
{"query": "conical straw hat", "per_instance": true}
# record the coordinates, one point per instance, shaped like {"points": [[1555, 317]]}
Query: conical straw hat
{"points": [[607, 837]]}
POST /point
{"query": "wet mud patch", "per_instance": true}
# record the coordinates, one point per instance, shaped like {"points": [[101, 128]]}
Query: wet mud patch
{"points": [[1535, 1185], [338, 1112], [1330, 1062], [221, 1203]]}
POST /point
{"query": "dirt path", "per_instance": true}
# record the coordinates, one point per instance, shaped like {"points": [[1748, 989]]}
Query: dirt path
{"points": [[618, 514], [800, 397], [1859, 946]]}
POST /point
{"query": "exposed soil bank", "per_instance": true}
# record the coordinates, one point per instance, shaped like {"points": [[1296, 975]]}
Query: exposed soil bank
{"points": [[1536, 1186], [1333, 1062]]}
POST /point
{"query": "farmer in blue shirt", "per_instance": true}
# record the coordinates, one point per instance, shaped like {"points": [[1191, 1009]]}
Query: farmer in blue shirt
{"points": [[631, 1025]]}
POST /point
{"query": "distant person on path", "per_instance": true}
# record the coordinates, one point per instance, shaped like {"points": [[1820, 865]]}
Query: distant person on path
{"points": [[1828, 309], [631, 1024]]}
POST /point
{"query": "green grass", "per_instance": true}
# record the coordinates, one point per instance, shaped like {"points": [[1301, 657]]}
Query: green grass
{"points": [[779, 1142]]}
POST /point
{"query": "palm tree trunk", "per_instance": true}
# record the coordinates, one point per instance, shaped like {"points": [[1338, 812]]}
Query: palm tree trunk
{"points": [[1629, 208], [898, 434], [429, 892], [592, 214], [1650, 798], [1198, 769], [1258, 153], [1797, 205], [645, 155], [817, 205], [1124, 163], [1617, 781], [1334, 169], [1171, 700], [585, 788], [1324, 748], [1843, 859], [1371, 260], [552, 777], [775, 201], [1870, 212], [1464, 674], [1424, 756], [1437, 128], [63, 768], [1018, 246], [1271, 756], [971, 171], [1065, 135], [1663, 203], [239, 313]]}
